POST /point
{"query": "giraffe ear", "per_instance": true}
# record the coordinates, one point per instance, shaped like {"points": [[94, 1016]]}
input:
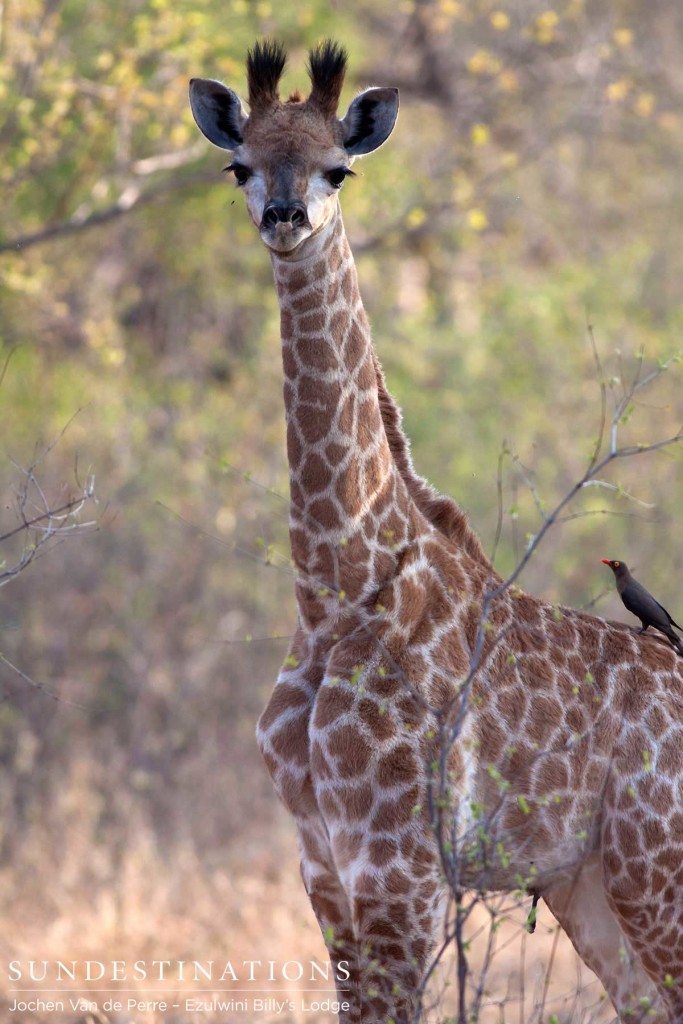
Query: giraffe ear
{"points": [[218, 112], [370, 120]]}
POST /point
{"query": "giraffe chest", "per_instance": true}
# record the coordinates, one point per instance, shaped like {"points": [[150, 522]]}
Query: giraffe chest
{"points": [[360, 682]]}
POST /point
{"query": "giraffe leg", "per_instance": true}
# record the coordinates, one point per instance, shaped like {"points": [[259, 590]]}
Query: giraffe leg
{"points": [[378, 945], [331, 907], [579, 903], [396, 924]]}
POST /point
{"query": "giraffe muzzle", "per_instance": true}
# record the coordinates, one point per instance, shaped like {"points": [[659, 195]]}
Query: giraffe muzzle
{"points": [[293, 214], [284, 226]]}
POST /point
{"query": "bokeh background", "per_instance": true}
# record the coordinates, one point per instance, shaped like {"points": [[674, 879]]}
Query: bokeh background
{"points": [[531, 188]]}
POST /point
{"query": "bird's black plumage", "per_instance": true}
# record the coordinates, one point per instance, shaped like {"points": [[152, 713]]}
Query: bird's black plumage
{"points": [[643, 605]]}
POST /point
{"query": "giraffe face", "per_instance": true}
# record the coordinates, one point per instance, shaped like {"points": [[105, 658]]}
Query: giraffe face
{"points": [[291, 168], [291, 158]]}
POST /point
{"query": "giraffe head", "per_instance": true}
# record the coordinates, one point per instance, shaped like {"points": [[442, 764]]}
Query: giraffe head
{"points": [[291, 158]]}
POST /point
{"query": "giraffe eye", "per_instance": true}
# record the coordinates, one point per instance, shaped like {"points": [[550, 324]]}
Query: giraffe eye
{"points": [[336, 176], [242, 173]]}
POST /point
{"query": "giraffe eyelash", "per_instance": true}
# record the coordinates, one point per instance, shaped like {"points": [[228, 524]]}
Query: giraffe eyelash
{"points": [[337, 175], [242, 173]]}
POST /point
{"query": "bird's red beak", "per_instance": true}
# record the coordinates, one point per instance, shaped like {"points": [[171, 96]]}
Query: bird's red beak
{"points": [[605, 561]]}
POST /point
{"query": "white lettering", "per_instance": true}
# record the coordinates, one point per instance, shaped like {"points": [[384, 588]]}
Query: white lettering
{"points": [[161, 964], [228, 972], [83, 1006], [324, 1006], [148, 1006], [37, 1006], [203, 971], [118, 970], [64, 969], [94, 970], [299, 967], [322, 969], [343, 972], [252, 964], [273, 1006]]}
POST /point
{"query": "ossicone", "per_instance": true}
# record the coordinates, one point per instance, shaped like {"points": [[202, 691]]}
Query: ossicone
{"points": [[326, 69], [265, 64]]}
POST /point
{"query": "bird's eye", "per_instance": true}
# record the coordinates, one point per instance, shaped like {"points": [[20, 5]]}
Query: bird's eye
{"points": [[616, 564], [242, 173], [336, 176]]}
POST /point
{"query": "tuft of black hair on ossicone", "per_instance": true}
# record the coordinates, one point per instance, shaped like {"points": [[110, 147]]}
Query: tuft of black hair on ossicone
{"points": [[265, 64], [327, 68]]}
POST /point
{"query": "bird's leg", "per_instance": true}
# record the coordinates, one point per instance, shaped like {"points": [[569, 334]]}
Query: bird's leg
{"points": [[643, 628]]}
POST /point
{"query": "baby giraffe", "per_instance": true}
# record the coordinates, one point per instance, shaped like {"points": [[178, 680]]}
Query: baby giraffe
{"points": [[560, 734]]}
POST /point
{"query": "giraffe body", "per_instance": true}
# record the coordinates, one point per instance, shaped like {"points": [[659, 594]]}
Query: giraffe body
{"points": [[565, 751]]}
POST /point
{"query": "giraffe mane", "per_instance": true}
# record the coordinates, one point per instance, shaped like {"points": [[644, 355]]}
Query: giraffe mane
{"points": [[265, 64], [326, 69], [442, 512]]}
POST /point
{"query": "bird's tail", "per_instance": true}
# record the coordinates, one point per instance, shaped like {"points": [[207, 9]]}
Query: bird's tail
{"points": [[673, 639], [675, 642]]}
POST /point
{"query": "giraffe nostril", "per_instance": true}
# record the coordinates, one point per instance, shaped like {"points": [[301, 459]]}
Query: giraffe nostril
{"points": [[297, 216], [270, 216]]}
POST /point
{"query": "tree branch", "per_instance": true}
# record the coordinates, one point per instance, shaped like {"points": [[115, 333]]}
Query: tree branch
{"points": [[130, 199]]}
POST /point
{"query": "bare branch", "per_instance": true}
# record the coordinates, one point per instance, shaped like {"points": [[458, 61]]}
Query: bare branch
{"points": [[6, 363], [499, 500], [603, 397], [130, 199], [619, 491], [169, 161], [48, 524]]}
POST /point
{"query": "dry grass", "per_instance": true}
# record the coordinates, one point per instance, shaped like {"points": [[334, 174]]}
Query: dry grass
{"points": [[252, 906]]}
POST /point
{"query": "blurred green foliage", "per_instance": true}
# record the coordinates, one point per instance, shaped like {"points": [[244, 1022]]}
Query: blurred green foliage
{"points": [[532, 186]]}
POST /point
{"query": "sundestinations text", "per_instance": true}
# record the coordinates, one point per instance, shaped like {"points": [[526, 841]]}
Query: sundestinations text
{"points": [[175, 970]]}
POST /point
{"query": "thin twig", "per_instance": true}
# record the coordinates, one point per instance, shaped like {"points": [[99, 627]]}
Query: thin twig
{"points": [[499, 500]]}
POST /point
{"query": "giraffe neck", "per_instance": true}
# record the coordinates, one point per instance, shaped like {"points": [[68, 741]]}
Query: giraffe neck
{"points": [[350, 511]]}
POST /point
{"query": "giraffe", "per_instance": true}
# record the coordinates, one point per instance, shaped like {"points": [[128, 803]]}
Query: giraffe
{"points": [[562, 734]]}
